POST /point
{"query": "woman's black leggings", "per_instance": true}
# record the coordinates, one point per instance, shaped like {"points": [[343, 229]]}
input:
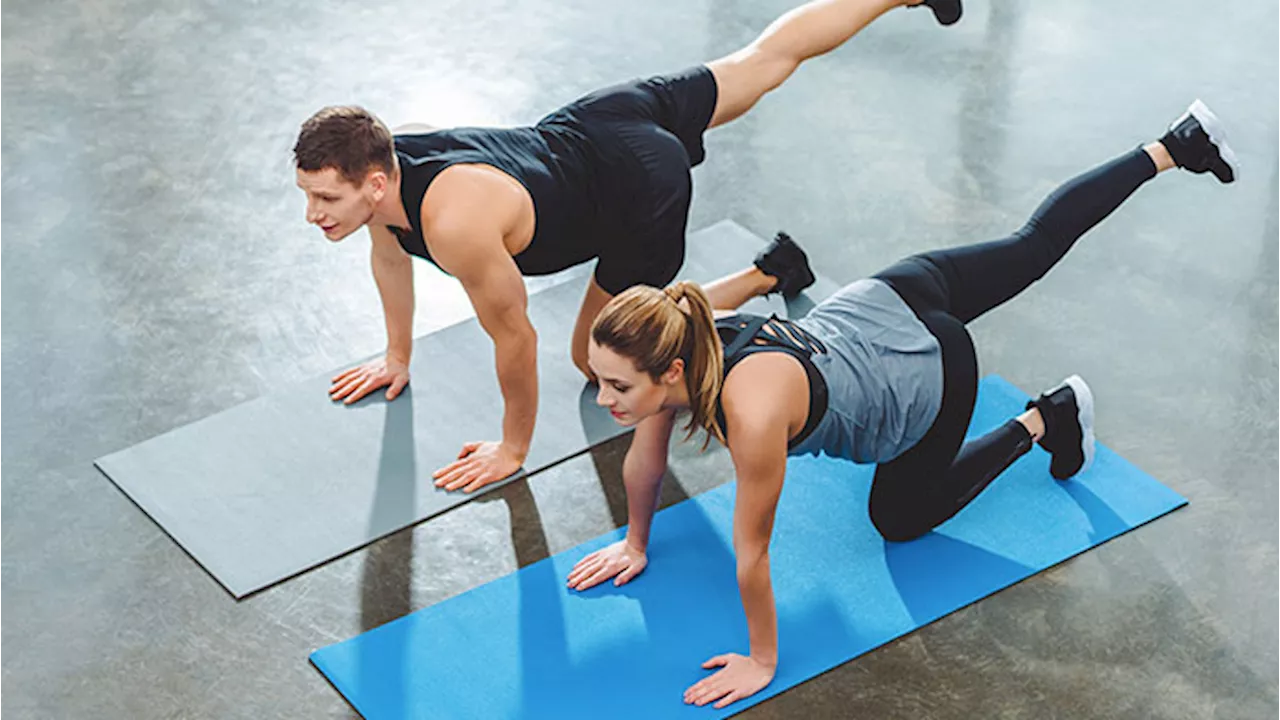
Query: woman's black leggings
{"points": [[935, 479]]}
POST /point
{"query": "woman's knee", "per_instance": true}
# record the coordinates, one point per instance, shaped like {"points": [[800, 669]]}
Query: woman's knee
{"points": [[898, 521], [1041, 246]]}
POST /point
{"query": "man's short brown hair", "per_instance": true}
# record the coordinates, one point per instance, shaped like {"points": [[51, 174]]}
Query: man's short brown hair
{"points": [[348, 138]]}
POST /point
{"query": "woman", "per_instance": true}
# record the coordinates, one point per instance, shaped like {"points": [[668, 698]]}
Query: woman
{"points": [[882, 372]]}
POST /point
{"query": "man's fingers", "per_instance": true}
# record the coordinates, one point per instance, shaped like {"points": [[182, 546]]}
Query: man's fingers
{"points": [[364, 388], [346, 386], [449, 476], [346, 374], [339, 388], [396, 386], [448, 472], [482, 481], [462, 478], [459, 483]]}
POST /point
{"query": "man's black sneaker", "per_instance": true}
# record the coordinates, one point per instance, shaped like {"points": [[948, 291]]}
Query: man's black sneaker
{"points": [[946, 11]]}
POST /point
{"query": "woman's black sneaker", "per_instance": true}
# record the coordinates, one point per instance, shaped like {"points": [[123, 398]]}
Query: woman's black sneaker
{"points": [[1068, 426], [784, 261], [1197, 142]]}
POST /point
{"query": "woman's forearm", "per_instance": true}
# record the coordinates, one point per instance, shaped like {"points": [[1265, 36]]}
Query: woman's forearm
{"points": [[756, 588]]}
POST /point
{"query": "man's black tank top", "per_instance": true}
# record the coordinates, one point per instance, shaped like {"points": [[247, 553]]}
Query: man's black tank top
{"points": [[548, 161], [745, 335]]}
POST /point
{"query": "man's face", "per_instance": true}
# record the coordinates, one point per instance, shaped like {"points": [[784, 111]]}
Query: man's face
{"points": [[336, 206]]}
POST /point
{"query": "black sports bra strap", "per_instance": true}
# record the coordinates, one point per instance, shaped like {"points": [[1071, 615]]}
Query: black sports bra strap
{"points": [[787, 333], [746, 335]]}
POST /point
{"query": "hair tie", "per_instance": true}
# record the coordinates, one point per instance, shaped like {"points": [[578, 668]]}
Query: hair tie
{"points": [[670, 292]]}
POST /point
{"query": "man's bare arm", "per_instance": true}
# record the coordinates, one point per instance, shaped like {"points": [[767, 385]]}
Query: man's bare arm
{"points": [[393, 274], [465, 232]]}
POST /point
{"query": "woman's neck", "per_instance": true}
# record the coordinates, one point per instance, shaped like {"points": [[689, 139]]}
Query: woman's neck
{"points": [[677, 397]]}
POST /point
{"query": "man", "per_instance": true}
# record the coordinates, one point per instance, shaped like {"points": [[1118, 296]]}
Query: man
{"points": [[605, 177]]}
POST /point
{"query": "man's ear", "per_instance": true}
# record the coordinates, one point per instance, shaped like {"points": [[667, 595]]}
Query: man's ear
{"points": [[377, 184]]}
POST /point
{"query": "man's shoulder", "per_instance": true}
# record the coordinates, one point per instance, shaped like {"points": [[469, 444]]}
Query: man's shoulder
{"points": [[462, 194]]}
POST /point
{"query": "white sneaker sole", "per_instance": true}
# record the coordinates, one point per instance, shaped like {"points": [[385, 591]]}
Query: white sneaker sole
{"points": [[1084, 415], [1216, 132]]}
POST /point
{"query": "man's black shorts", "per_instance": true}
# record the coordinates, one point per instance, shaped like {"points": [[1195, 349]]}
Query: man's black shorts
{"points": [[646, 134]]}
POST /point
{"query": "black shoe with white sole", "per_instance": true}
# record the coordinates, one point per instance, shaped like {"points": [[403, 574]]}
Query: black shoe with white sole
{"points": [[1198, 143], [1068, 422], [784, 261], [946, 11]]}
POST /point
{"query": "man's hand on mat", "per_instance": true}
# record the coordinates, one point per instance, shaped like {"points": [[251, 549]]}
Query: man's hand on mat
{"points": [[479, 464], [741, 677], [359, 381], [619, 561]]}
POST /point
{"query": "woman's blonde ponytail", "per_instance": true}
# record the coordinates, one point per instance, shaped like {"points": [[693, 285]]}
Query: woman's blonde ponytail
{"points": [[703, 356]]}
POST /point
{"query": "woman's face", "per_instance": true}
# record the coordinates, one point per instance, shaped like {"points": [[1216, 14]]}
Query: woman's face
{"points": [[630, 394]]}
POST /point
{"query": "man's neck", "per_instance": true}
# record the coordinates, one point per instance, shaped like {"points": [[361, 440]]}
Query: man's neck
{"points": [[390, 210]]}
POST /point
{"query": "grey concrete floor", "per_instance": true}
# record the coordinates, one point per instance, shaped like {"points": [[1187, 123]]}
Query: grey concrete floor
{"points": [[156, 269]]}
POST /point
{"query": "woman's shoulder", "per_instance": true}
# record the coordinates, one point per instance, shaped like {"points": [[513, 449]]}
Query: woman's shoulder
{"points": [[765, 387]]}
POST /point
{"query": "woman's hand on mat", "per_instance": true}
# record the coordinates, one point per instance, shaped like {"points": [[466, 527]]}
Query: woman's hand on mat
{"points": [[619, 561], [359, 381], [479, 464], [740, 677]]}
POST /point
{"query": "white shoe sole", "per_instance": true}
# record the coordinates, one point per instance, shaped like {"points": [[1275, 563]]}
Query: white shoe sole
{"points": [[1216, 132], [1084, 415]]}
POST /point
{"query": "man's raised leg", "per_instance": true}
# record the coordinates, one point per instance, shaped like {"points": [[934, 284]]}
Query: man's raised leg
{"points": [[813, 29]]}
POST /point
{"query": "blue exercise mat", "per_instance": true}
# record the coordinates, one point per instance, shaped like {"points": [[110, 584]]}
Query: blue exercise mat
{"points": [[525, 646]]}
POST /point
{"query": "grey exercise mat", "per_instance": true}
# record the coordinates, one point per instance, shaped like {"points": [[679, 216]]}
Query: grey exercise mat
{"points": [[278, 485]]}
